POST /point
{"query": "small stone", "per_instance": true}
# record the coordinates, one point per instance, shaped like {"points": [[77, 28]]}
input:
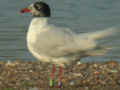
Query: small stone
{"points": [[63, 80], [95, 65], [86, 88], [79, 63], [112, 63], [113, 71], [96, 72], [30, 70], [11, 64], [34, 88], [77, 74], [71, 83], [118, 82]]}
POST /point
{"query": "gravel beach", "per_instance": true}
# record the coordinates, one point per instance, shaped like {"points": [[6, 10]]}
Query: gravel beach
{"points": [[29, 75]]}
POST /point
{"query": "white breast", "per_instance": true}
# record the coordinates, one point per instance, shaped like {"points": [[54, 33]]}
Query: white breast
{"points": [[36, 27]]}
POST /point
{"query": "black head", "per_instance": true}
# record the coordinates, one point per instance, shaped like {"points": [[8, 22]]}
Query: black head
{"points": [[43, 8], [38, 9]]}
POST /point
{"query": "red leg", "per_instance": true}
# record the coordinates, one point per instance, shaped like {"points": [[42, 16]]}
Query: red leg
{"points": [[60, 72], [53, 71]]}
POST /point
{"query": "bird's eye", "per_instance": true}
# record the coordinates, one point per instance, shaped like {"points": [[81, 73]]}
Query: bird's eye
{"points": [[38, 6]]}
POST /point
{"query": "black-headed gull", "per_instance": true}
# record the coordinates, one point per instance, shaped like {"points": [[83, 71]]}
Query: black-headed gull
{"points": [[59, 45]]}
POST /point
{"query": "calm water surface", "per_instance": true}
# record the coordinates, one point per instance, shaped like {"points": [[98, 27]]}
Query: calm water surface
{"points": [[79, 15]]}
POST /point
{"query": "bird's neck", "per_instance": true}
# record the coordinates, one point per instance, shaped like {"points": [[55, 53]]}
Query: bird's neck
{"points": [[41, 21]]}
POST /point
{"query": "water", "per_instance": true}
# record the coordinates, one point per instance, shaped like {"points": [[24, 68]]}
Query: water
{"points": [[79, 15]]}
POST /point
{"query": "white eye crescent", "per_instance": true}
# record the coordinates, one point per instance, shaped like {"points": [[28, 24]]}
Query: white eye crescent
{"points": [[38, 7]]}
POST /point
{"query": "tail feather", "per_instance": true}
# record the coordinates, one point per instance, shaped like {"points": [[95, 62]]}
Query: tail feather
{"points": [[99, 52], [102, 34]]}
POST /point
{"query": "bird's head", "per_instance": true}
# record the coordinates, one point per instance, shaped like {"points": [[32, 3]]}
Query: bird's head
{"points": [[38, 9]]}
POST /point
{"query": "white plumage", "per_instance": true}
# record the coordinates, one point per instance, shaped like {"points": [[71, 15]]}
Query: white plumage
{"points": [[58, 45]]}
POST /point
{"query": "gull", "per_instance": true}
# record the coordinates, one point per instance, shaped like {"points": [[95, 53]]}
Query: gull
{"points": [[58, 45]]}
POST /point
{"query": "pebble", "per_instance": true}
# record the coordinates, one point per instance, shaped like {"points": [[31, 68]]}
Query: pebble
{"points": [[71, 83], [87, 76]]}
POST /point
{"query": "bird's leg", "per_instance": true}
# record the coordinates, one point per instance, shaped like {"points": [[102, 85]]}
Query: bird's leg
{"points": [[51, 83], [60, 72]]}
